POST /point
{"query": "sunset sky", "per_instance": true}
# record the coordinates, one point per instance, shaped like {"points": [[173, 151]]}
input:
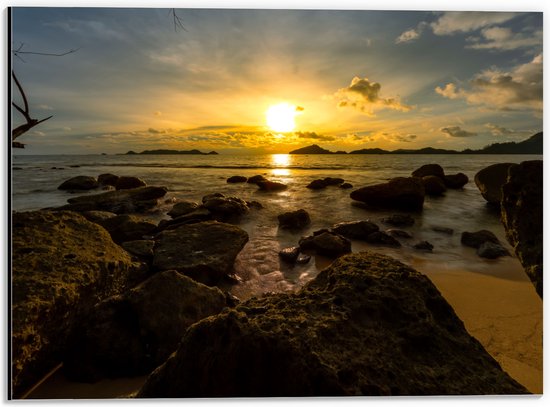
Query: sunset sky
{"points": [[345, 80]]}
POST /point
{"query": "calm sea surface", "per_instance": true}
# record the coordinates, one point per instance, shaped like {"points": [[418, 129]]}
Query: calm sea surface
{"points": [[34, 186]]}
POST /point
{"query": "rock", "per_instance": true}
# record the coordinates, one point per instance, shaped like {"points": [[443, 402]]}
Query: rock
{"points": [[98, 216], [124, 201], [204, 251], [254, 205], [62, 265], [399, 220], [81, 182], [522, 217], [441, 229], [129, 183], [303, 259], [456, 181], [333, 181], [108, 179], [402, 193], [139, 248], [270, 186], [399, 233], [383, 239], [223, 208], [255, 179], [290, 254], [211, 196], [326, 244], [131, 334], [429, 169], [317, 184], [346, 185], [294, 220], [424, 245], [236, 178], [123, 228], [366, 325], [360, 229], [433, 185], [490, 181], [182, 208], [476, 239], [198, 215], [491, 250]]}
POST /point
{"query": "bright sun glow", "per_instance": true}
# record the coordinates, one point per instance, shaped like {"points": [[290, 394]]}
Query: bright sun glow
{"points": [[281, 117]]}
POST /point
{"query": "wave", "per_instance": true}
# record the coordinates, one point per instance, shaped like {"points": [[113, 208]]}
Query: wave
{"points": [[225, 166]]}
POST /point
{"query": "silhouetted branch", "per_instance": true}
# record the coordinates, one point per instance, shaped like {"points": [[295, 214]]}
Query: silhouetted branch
{"points": [[178, 22], [19, 51]]}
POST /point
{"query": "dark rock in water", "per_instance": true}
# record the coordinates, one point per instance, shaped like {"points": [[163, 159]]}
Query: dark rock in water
{"points": [[129, 183], [198, 215], [226, 207], [214, 195], [491, 250], [294, 220], [132, 333], [182, 208], [290, 254], [522, 216], [346, 185], [399, 220], [255, 179], [326, 244], [81, 182], [333, 181], [476, 239], [441, 229], [456, 181], [62, 265], [383, 239], [366, 325], [254, 205], [98, 216], [399, 233], [317, 184], [123, 228], [424, 245], [236, 179], [74, 166], [490, 181], [204, 251], [108, 179], [402, 193], [303, 259], [360, 229], [139, 248], [125, 201], [429, 169], [433, 185], [270, 186]]}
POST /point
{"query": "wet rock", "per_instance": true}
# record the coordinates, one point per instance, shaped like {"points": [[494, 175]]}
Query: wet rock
{"points": [[129, 183], [290, 254], [424, 245], [333, 181], [182, 208], [62, 265], [522, 217], [382, 238], [402, 193], [236, 179], [399, 220], [198, 215], [204, 251], [254, 205], [317, 184], [98, 216], [399, 233], [442, 229], [476, 239], [294, 220], [123, 228], [433, 185], [255, 179], [360, 229], [456, 181], [303, 259], [429, 169], [346, 185], [490, 181], [139, 248], [108, 179], [223, 208], [211, 196], [131, 334], [491, 250], [270, 186], [367, 325], [326, 244], [81, 182]]}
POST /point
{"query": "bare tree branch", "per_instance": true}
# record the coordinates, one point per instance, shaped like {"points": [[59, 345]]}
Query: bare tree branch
{"points": [[178, 22], [17, 52]]}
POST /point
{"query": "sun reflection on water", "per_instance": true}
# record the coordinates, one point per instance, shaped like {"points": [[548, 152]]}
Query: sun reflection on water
{"points": [[282, 161]]}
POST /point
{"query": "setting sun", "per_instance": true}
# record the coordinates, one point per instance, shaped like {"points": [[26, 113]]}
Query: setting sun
{"points": [[280, 117]]}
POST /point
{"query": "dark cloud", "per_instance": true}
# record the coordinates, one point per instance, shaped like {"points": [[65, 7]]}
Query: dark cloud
{"points": [[406, 138], [456, 131], [314, 136]]}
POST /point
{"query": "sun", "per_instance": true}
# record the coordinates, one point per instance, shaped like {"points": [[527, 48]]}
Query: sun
{"points": [[280, 117]]}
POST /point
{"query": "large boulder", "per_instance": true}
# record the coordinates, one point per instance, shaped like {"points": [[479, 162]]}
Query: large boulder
{"points": [[490, 180], [124, 228], [433, 185], [429, 169], [182, 208], [226, 207], [132, 333], [522, 216], [204, 251], [80, 182], [108, 179], [62, 265], [456, 181], [271, 186], [367, 325], [476, 239], [402, 193], [326, 244], [359, 229], [294, 220], [196, 216], [124, 201], [129, 183], [255, 179]]}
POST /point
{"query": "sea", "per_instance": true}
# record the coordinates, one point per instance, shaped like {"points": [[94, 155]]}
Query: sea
{"points": [[494, 298]]}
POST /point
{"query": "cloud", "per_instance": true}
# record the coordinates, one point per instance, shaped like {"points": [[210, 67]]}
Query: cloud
{"points": [[519, 89], [456, 131], [452, 22], [155, 131], [88, 28], [412, 34], [158, 113], [503, 39], [364, 95], [313, 135], [406, 138]]}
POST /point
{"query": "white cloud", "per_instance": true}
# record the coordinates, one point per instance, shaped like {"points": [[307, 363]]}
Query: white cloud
{"points": [[501, 38], [452, 22], [412, 34]]}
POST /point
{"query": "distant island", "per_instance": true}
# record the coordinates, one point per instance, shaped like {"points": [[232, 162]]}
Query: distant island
{"points": [[533, 145], [154, 152]]}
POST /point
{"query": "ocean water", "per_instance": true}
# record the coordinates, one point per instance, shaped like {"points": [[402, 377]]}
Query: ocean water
{"points": [[35, 181]]}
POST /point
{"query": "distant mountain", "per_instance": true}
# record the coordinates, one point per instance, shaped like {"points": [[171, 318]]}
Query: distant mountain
{"points": [[173, 152], [313, 149]]}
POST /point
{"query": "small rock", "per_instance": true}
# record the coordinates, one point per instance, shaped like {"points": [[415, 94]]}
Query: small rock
{"points": [[236, 178], [476, 239], [399, 233], [254, 204], [442, 229], [326, 244], [294, 220], [182, 208], [456, 181], [81, 182], [360, 229], [317, 184], [424, 245], [399, 220], [346, 185], [108, 179], [139, 248], [129, 183], [255, 179], [290, 254], [433, 185], [491, 250], [214, 195], [303, 259], [383, 239], [226, 207], [198, 215], [429, 169], [270, 186]]}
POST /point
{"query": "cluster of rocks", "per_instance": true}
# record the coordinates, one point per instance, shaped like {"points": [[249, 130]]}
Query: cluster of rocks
{"points": [[262, 182], [106, 181], [328, 181]]}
